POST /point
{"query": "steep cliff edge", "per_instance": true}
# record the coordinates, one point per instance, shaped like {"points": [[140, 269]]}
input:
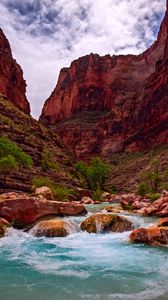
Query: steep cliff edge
{"points": [[12, 83], [103, 105]]}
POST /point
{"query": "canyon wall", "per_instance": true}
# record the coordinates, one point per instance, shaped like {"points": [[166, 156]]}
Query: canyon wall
{"points": [[103, 105], [12, 83]]}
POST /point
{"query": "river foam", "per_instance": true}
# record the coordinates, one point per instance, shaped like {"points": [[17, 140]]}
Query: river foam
{"points": [[82, 266]]}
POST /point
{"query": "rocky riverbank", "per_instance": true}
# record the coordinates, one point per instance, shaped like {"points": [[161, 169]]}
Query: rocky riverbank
{"points": [[24, 211]]}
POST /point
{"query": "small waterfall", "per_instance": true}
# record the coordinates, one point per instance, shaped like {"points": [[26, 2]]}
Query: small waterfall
{"points": [[98, 224], [70, 227]]}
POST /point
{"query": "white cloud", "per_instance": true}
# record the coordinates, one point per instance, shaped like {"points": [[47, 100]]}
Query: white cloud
{"points": [[46, 35]]}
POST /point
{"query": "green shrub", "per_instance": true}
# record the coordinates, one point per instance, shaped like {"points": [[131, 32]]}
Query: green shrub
{"points": [[7, 147], [152, 176], [128, 206], [113, 189], [41, 181], [59, 192], [97, 195], [11, 158], [62, 193], [6, 121], [153, 197], [143, 189], [47, 160]]}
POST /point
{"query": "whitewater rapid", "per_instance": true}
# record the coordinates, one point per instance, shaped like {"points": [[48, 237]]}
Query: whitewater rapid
{"points": [[82, 266]]}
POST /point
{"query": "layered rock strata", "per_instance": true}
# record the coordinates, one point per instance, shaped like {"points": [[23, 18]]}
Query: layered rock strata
{"points": [[103, 105], [12, 83]]}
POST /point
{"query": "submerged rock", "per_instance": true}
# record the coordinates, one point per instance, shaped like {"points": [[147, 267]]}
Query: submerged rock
{"points": [[114, 209], [23, 210], [53, 228], [106, 223], [152, 236]]}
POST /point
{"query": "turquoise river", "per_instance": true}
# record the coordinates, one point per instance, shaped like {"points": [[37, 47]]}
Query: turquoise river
{"points": [[82, 266]]}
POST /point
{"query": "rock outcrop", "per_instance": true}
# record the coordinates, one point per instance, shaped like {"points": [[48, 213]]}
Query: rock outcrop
{"points": [[44, 192], [152, 236], [23, 210], [103, 105], [100, 223], [12, 83], [133, 202], [158, 208]]}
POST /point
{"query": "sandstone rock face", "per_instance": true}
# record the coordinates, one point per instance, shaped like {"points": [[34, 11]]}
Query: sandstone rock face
{"points": [[24, 210], [99, 223], [52, 228], [103, 105], [152, 236], [157, 208], [133, 202], [12, 83]]}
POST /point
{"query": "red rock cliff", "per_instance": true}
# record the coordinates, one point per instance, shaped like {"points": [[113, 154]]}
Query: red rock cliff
{"points": [[12, 83], [107, 104]]}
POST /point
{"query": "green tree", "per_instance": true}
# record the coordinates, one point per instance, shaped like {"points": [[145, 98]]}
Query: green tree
{"points": [[85, 172], [143, 189], [99, 172], [152, 176], [94, 174], [11, 158]]}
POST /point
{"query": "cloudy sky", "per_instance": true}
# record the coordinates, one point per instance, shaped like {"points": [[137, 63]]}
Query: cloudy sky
{"points": [[46, 35]]}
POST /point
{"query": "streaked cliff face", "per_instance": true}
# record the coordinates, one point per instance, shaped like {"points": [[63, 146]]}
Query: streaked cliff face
{"points": [[103, 105], [12, 83]]}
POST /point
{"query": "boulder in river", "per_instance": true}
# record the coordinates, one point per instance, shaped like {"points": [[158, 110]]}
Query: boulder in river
{"points": [[23, 210], [98, 223], [152, 236], [53, 228], [3, 226]]}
